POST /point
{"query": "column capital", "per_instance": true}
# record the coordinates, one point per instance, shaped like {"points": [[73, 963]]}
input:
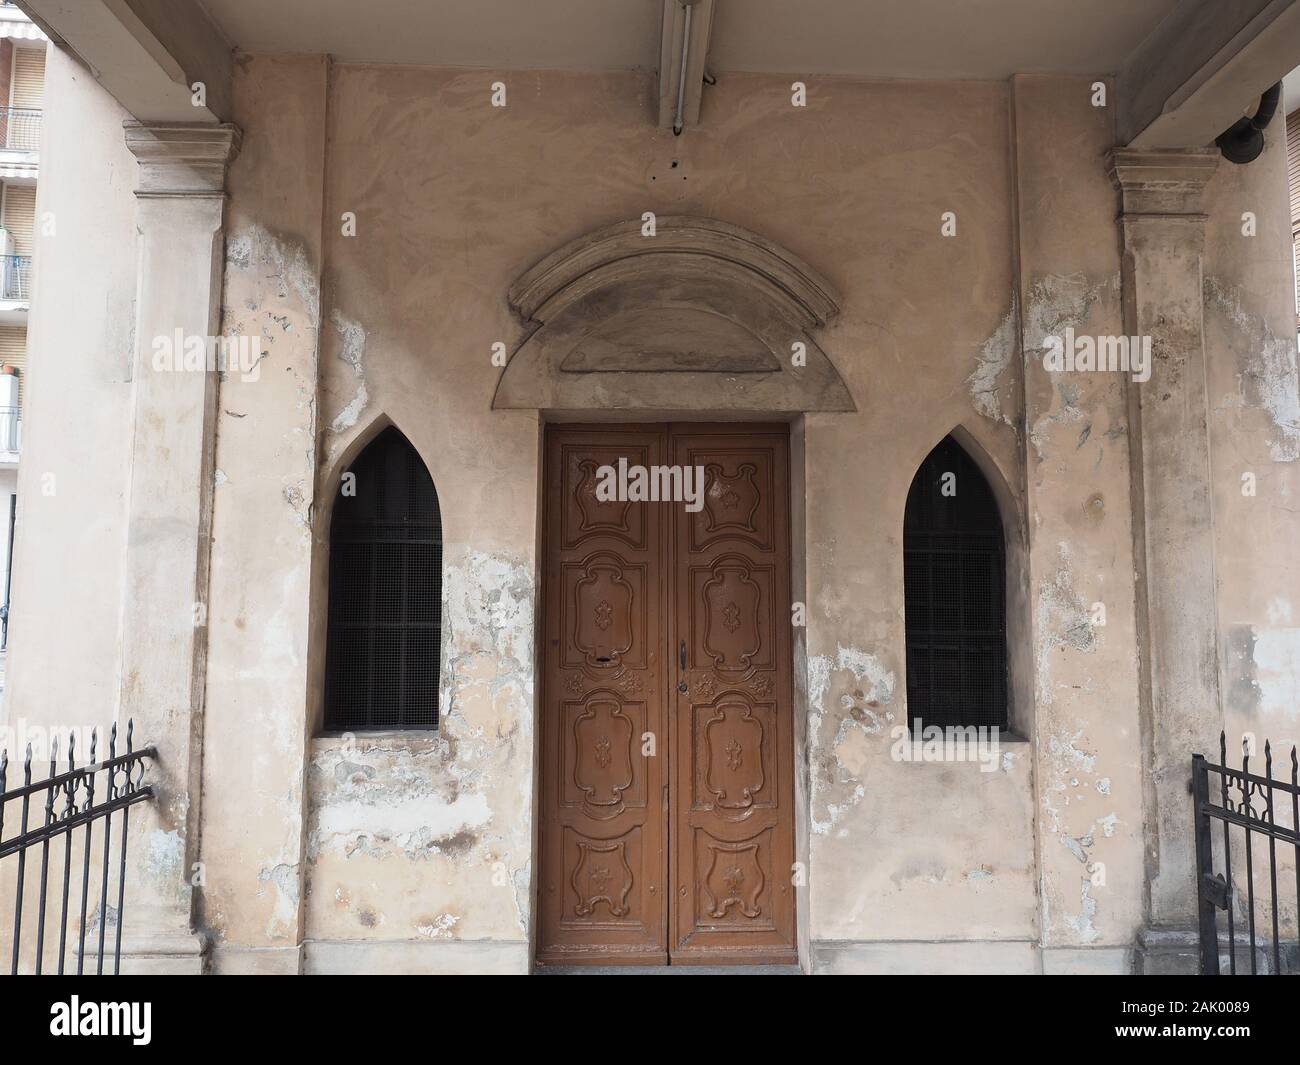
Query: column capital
{"points": [[1161, 181], [182, 159]]}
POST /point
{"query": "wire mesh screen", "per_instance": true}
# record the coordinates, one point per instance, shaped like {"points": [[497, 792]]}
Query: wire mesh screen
{"points": [[385, 593], [954, 572]]}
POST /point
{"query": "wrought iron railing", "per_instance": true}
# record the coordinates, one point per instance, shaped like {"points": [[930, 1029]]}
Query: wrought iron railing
{"points": [[64, 806], [16, 279], [1264, 813], [20, 128]]}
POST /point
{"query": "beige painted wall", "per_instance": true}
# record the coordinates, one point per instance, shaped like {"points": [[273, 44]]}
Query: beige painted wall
{"points": [[453, 200], [415, 839], [1254, 403]]}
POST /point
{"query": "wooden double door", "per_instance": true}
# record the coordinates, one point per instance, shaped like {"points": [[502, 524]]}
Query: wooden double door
{"points": [[666, 736]]}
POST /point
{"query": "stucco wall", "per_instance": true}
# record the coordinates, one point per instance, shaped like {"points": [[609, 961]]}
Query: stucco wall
{"points": [[414, 837], [453, 199], [410, 840], [1254, 408]]}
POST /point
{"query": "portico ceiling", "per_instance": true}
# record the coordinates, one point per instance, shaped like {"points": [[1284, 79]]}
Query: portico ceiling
{"points": [[1183, 70], [865, 38]]}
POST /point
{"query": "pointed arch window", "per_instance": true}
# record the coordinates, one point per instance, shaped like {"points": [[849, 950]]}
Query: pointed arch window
{"points": [[385, 593], [954, 571]]}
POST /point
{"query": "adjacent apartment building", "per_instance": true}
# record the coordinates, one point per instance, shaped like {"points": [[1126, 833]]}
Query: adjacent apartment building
{"points": [[22, 81]]}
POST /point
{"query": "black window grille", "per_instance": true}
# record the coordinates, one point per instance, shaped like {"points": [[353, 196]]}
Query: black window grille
{"points": [[954, 572], [385, 593]]}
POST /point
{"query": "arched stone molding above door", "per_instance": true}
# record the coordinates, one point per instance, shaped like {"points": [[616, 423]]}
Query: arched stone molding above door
{"points": [[701, 316]]}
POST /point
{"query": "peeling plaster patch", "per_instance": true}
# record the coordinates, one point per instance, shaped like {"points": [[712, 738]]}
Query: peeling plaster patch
{"points": [[1066, 762], [852, 751], [1277, 671], [1057, 302], [219, 477], [1082, 924], [1244, 693], [1075, 846], [1279, 612], [295, 495], [285, 918], [867, 667], [1266, 375], [460, 799], [269, 268], [866, 688], [982, 873], [834, 811], [439, 927], [352, 352], [400, 814], [163, 859], [520, 880], [1069, 411], [994, 358], [1061, 620], [819, 680], [289, 266], [490, 602], [1065, 753]]}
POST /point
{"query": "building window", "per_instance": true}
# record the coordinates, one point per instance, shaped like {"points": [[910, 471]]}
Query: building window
{"points": [[954, 572], [385, 593]]}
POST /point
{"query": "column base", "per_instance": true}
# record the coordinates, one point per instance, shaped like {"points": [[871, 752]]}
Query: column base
{"points": [[163, 954], [1177, 952], [256, 961]]}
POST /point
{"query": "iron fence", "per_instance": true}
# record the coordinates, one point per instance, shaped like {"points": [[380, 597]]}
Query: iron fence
{"points": [[1264, 814], [79, 798]]}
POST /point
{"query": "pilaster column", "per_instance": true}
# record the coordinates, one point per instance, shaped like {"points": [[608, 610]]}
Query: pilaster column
{"points": [[181, 201], [1163, 231]]}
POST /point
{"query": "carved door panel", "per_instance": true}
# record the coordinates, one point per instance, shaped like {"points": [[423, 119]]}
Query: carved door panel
{"points": [[603, 831], [731, 829], [661, 621]]}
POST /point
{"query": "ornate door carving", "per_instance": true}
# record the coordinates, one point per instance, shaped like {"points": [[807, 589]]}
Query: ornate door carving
{"points": [[603, 831], [684, 853], [732, 828]]}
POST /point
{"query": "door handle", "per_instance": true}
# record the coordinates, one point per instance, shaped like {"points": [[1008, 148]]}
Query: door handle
{"points": [[681, 660]]}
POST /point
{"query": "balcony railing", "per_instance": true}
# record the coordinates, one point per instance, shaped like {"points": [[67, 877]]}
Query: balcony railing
{"points": [[15, 277], [20, 128]]}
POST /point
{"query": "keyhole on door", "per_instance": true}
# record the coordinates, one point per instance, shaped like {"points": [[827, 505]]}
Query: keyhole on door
{"points": [[604, 660]]}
